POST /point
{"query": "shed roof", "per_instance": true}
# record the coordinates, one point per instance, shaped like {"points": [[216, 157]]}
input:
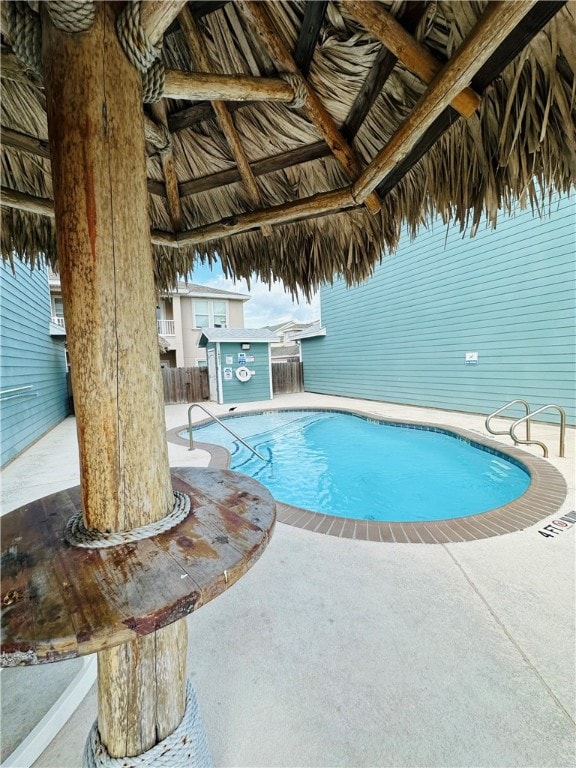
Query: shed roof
{"points": [[236, 334], [341, 124]]}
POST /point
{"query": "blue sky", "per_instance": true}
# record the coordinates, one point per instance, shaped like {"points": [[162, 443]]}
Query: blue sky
{"points": [[268, 306]]}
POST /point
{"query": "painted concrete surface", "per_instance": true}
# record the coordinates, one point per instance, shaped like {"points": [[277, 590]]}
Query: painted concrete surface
{"points": [[335, 652]]}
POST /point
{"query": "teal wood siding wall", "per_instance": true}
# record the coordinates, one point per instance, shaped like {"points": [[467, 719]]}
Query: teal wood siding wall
{"points": [[508, 295], [29, 357], [258, 387]]}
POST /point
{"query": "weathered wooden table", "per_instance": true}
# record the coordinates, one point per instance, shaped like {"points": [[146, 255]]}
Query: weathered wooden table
{"points": [[60, 601]]}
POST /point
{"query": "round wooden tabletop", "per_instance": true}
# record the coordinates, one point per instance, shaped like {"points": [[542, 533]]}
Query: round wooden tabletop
{"points": [[60, 601]]}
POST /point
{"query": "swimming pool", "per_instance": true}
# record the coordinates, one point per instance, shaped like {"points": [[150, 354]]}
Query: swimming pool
{"points": [[346, 465]]}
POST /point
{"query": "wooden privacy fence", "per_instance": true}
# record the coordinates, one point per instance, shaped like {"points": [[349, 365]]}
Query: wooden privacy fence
{"points": [[287, 377], [185, 385]]}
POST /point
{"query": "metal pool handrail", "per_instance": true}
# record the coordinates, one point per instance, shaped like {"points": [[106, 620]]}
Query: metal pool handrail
{"points": [[509, 431], [212, 416], [527, 418]]}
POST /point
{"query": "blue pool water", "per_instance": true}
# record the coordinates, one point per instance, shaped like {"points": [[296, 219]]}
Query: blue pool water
{"points": [[344, 465]]}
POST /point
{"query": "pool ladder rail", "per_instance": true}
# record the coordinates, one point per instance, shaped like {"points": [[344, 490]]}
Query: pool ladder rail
{"points": [[526, 420], [219, 421]]}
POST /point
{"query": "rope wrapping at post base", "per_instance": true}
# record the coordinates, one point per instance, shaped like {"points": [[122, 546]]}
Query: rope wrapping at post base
{"points": [[78, 535], [186, 747]]}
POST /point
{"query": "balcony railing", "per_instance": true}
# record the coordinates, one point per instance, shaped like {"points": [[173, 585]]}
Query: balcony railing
{"points": [[166, 327], [57, 320]]}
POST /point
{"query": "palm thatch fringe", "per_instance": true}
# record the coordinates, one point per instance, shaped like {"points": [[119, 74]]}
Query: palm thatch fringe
{"points": [[520, 145]]}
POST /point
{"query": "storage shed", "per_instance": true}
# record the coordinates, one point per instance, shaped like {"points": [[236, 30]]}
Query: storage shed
{"points": [[239, 363]]}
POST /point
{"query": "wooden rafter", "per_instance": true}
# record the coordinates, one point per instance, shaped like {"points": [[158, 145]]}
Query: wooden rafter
{"points": [[308, 37], [315, 205], [22, 202], [159, 111], [260, 21], [304, 154], [25, 143], [40, 148], [498, 20], [195, 86], [197, 113], [409, 51], [520, 36], [202, 60], [380, 71], [157, 15]]}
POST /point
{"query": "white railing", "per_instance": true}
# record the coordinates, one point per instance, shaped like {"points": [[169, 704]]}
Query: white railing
{"points": [[58, 321], [166, 327]]}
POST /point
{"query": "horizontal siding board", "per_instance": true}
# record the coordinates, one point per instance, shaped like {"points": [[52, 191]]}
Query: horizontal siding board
{"points": [[506, 294], [29, 356]]}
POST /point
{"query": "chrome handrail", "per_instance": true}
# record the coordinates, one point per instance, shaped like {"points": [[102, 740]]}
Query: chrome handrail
{"points": [[219, 421], [508, 431], [527, 418]]}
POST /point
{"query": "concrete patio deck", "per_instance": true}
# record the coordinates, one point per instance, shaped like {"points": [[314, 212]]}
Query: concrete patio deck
{"points": [[338, 652]]}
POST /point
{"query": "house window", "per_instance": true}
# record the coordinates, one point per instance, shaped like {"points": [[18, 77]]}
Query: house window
{"points": [[210, 314], [219, 309], [201, 314], [58, 307]]}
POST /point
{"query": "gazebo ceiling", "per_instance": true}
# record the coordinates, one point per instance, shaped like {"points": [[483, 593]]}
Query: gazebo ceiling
{"points": [[296, 139]]}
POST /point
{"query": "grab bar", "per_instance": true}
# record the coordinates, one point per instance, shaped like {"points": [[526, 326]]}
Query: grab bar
{"points": [[527, 418], [508, 431], [212, 416]]}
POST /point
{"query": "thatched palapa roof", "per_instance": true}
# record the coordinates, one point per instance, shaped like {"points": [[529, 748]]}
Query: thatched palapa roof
{"points": [[356, 119]]}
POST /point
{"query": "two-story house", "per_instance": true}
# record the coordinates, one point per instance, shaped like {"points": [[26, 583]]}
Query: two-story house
{"points": [[181, 315], [184, 313]]}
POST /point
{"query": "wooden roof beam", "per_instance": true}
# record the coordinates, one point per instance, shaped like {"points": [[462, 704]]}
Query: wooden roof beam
{"points": [[497, 21], [197, 113], [11, 198], [223, 115], [257, 15], [25, 143], [196, 86], [316, 205], [409, 51], [311, 25], [534, 21], [306, 208], [40, 148], [303, 154], [380, 71], [157, 15]]}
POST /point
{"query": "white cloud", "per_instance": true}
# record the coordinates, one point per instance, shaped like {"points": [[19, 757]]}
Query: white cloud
{"points": [[269, 305]]}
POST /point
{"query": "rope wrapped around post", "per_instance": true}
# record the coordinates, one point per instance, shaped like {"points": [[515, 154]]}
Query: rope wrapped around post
{"points": [[71, 15], [185, 747], [78, 535], [141, 52], [25, 33]]}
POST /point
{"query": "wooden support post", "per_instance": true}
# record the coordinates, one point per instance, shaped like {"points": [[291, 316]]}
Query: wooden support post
{"points": [[95, 124]]}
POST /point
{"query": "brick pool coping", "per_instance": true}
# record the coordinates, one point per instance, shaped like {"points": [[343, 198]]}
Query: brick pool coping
{"points": [[544, 496]]}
